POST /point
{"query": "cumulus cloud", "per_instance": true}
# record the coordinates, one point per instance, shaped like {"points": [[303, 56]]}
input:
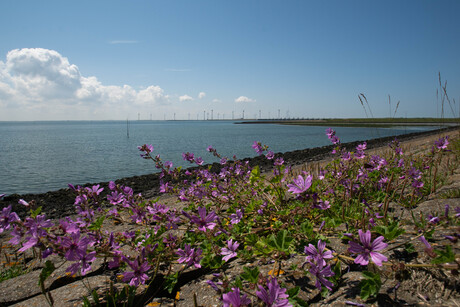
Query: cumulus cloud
{"points": [[216, 101], [41, 74], [185, 98], [244, 99], [36, 77], [201, 95]]}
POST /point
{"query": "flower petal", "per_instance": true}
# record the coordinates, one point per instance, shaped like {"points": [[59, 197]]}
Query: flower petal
{"points": [[378, 244], [377, 258]]}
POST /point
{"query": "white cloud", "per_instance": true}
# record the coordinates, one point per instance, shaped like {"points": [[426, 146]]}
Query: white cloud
{"points": [[37, 78], [244, 99], [152, 95], [185, 98], [41, 74], [201, 95], [216, 101]]}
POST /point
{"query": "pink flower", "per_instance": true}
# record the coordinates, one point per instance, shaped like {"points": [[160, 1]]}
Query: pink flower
{"points": [[368, 248], [234, 299], [229, 252], [275, 296], [270, 155], [317, 255], [203, 221], [83, 264], [300, 185], [95, 189], [75, 245], [187, 156], [190, 256], [258, 148], [146, 149], [137, 276], [320, 272], [442, 142], [24, 203], [6, 218]]}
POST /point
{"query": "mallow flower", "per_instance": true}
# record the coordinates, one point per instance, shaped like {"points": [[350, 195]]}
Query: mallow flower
{"points": [[229, 252], [368, 248], [234, 299], [83, 264], [258, 148], [146, 149], [275, 296], [6, 218], [75, 246], [320, 272], [190, 256], [442, 142], [138, 275], [300, 184], [317, 255], [202, 220]]}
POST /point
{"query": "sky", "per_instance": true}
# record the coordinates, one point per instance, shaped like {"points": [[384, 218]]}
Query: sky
{"points": [[118, 60]]}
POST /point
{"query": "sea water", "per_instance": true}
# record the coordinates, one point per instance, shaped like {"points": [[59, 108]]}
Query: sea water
{"points": [[37, 157]]}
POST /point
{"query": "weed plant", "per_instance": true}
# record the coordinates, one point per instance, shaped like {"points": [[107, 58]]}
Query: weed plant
{"points": [[239, 214]]}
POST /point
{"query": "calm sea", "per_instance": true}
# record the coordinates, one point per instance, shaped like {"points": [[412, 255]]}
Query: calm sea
{"points": [[37, 157]]}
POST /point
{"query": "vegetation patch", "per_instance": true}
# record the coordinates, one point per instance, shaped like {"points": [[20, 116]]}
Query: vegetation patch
{"points": [[290, 238]]}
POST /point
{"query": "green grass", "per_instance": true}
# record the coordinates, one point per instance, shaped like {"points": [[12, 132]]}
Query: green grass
{"points": [[453, 193], [11, 272]]}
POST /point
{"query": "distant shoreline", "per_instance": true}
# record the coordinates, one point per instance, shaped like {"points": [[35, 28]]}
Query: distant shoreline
{"points": [[361, 122], [345, 122]]}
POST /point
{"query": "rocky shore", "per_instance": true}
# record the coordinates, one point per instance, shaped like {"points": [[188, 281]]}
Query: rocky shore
{"points": [[423, 288], [57, 204]]}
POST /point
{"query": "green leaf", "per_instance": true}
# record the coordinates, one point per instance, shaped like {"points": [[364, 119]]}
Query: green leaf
{"points": [[262, 247], [238, 283], [337, 272], [390, 232], [250, 207], [255, 174], [409, 248], [429, 234], [307, 228], [281, 242], [97, 224], [293, 292], [277, 224], [95, 297], [171, 281], [36, 212], [212, 261], [444, 256], [370, 285], [284, 212], [86, 302], [251, 275], [333, 222], [297, 301], [251, 239], [324, 292], [46, 272]]}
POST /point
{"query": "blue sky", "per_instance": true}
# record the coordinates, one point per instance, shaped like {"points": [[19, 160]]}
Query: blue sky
{"points": [[62, 60]]}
